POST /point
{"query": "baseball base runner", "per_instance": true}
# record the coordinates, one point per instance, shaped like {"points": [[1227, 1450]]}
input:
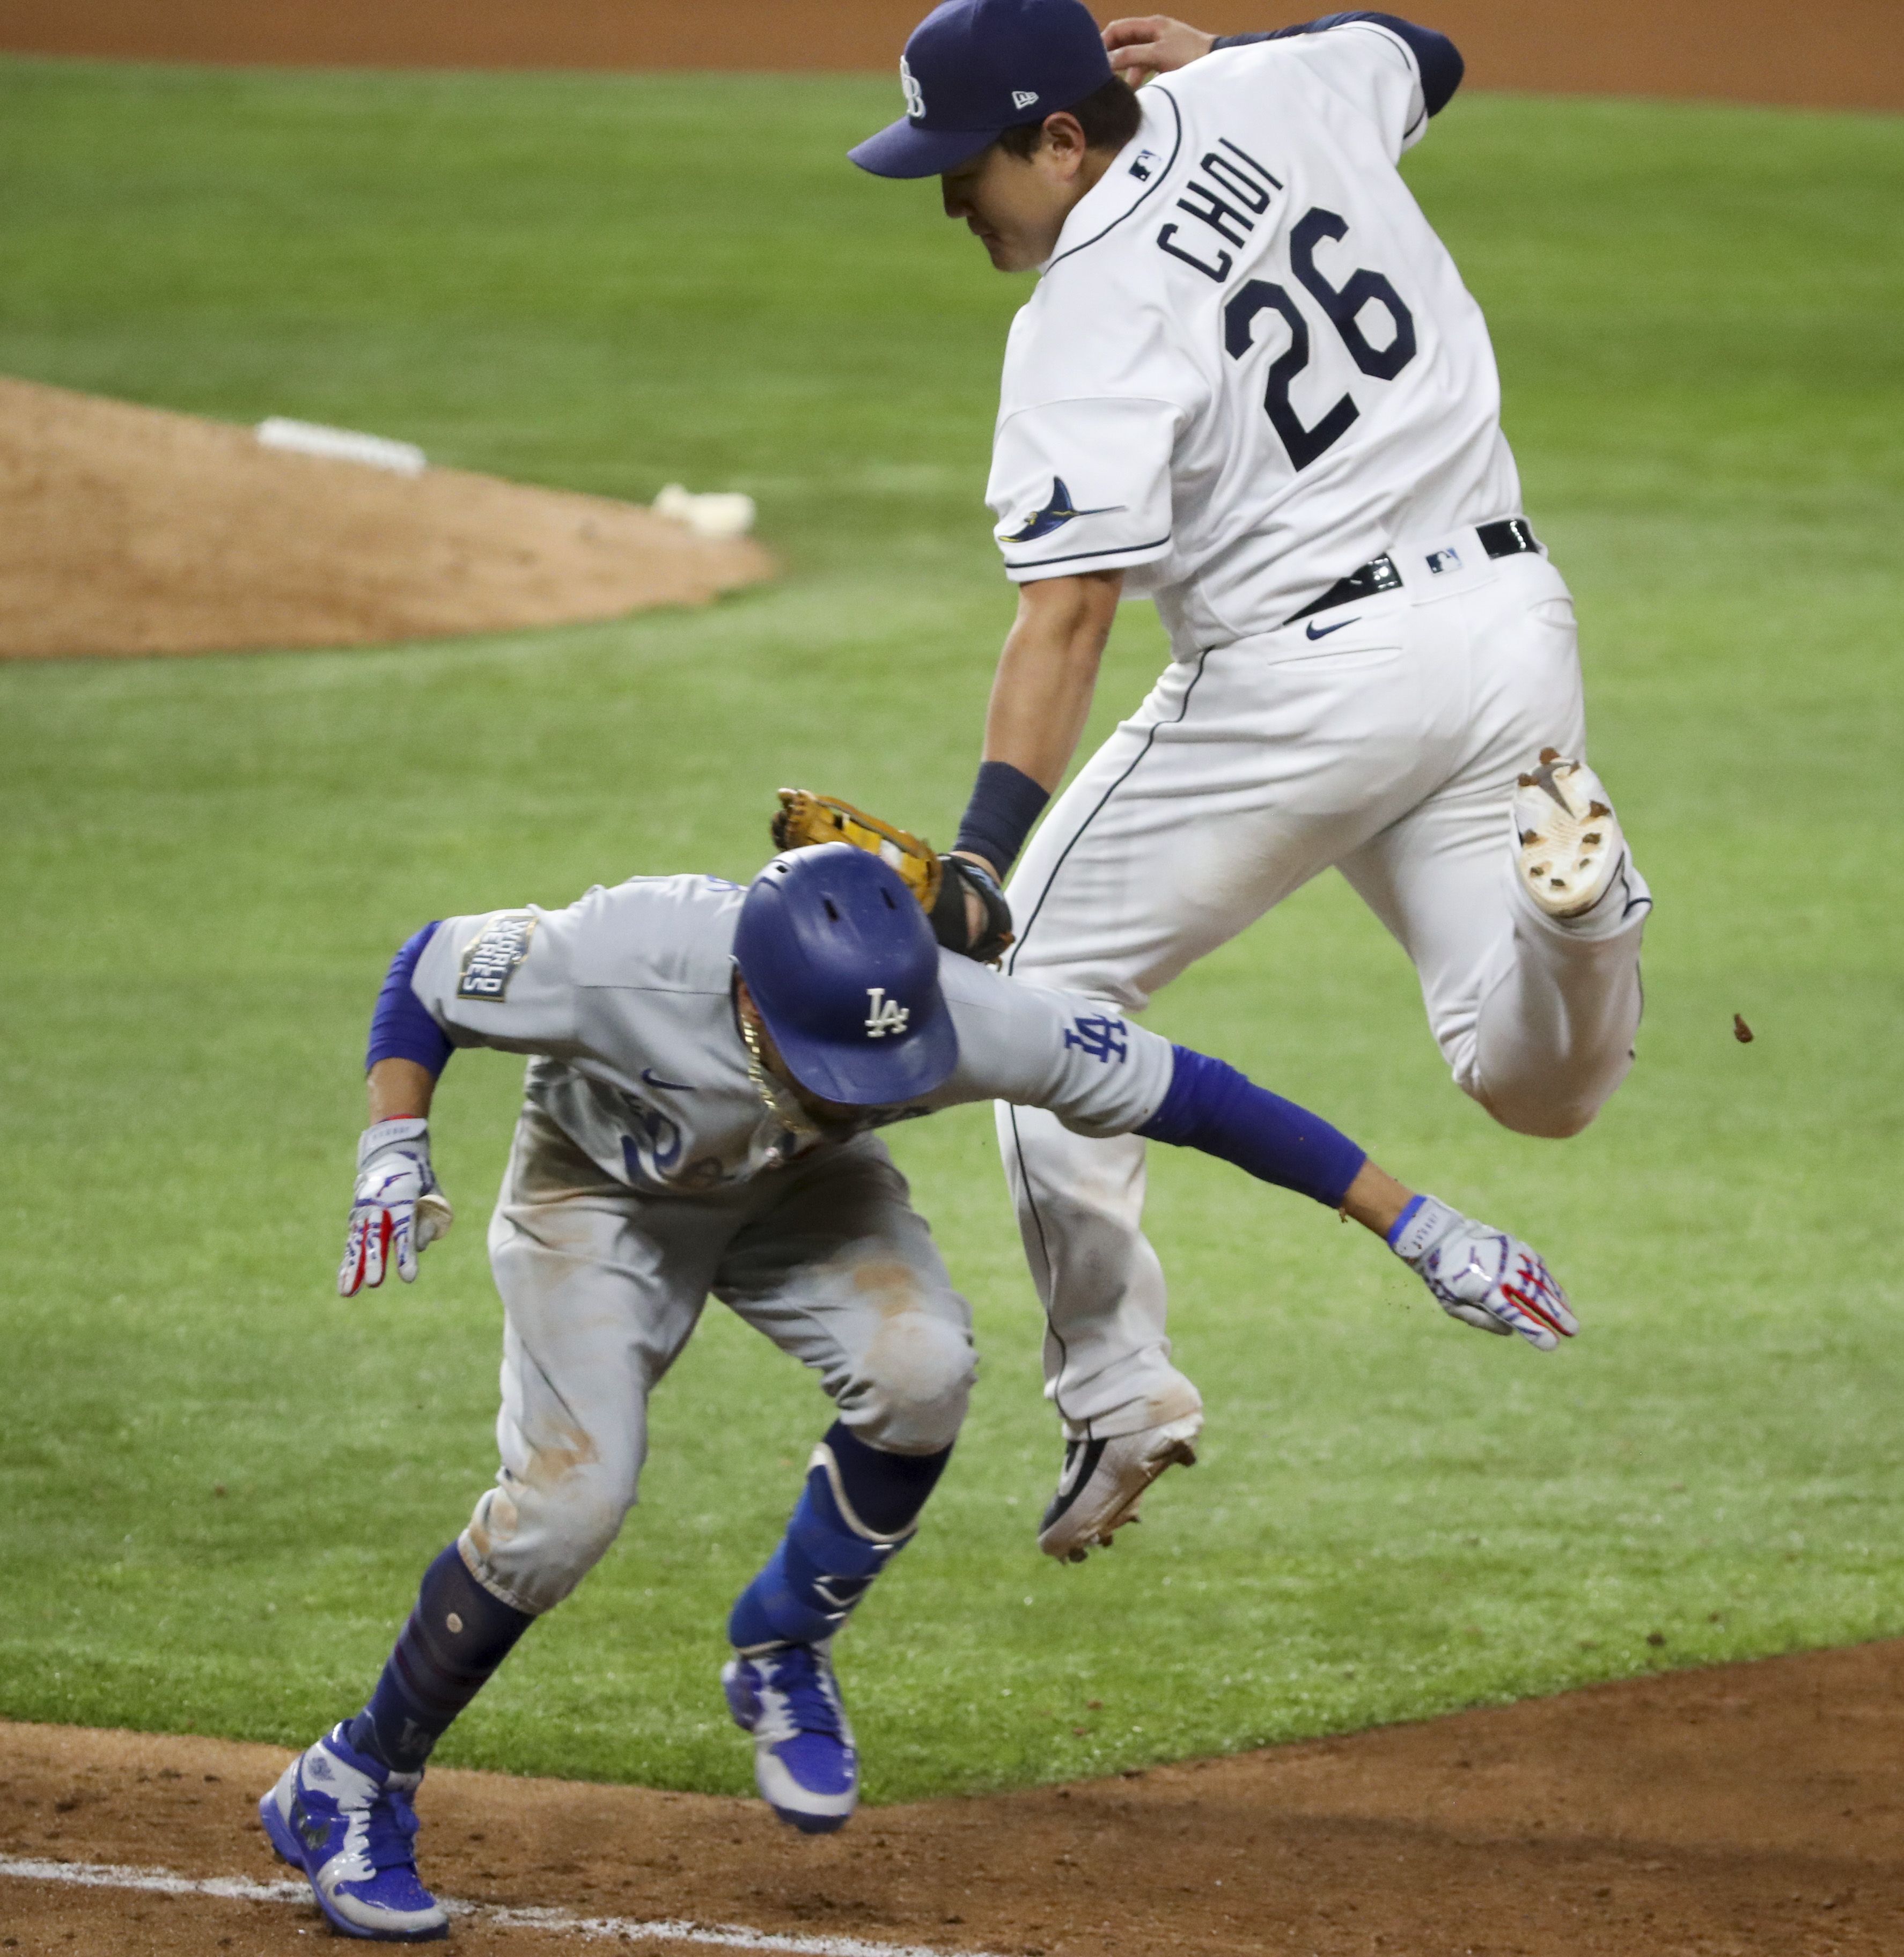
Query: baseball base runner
{"points": [[706, 1065]]}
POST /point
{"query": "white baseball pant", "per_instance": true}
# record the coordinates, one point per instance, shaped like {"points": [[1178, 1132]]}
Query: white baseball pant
{"points": [[1383, 737], [602, 1286]]}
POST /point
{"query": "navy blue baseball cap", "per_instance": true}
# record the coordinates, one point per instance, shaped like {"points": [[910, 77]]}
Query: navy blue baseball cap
{"points": [[975, 68], [843, 967]]}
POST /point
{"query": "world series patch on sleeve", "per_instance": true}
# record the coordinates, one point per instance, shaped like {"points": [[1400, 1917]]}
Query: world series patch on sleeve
{"points": [[491, 957]]}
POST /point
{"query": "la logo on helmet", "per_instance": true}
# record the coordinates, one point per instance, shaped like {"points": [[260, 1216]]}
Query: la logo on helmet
{"points": [[915, 95], [884, 1016]]}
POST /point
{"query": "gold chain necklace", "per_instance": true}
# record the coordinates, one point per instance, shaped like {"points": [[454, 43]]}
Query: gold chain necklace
{"points": [[784, 1109]]}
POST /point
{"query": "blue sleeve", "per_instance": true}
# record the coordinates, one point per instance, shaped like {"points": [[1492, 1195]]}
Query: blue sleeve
{"points": [[1212, 1107], [400, 1028], [1437, 56]]}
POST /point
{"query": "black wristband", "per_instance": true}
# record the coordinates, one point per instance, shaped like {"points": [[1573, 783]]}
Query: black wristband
{"points": [[1005, 802]]}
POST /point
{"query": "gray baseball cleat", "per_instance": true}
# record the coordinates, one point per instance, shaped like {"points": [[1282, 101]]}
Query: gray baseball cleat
{"points": [[1568, 843], [1103, 1481]]}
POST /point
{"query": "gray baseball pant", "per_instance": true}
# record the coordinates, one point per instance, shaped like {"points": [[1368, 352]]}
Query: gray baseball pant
{"points": [[601, 1288]]}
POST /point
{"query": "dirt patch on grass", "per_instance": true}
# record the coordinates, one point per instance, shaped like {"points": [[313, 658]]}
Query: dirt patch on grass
{"points": [[1747, 1809], [127, 529]]}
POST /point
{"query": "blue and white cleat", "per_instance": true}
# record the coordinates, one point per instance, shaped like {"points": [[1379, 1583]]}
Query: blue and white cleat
{"points": [[804, 1761], [346, 1821]]}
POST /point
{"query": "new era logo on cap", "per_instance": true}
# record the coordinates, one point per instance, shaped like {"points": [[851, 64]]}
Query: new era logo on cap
{"points": [[973, 68]]}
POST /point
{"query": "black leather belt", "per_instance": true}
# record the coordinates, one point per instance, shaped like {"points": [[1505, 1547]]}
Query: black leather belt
{"points": [[1508, 538]]}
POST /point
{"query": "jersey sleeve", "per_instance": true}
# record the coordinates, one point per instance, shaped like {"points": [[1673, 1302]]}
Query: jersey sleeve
{"points": [[504, 979], [1083, 485], [1097, 1073], [1391, 72], [400, 1027]]}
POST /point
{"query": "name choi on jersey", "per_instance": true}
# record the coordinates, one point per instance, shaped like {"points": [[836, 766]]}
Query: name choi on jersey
{"points": [[1246, 188]]}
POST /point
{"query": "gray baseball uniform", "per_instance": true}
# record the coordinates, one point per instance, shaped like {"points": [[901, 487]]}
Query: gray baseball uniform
{"points": [[647, 1173]]}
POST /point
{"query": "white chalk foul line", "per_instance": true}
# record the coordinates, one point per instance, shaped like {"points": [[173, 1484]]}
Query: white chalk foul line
{"points": [[501, 1916]]}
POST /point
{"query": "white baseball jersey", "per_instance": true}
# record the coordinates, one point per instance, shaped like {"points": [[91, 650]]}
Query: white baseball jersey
{"points": [[1250, 366], [624, 999]]}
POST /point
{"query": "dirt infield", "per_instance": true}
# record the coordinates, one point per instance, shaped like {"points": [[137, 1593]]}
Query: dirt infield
{"points": [[1745, 1810], [125, 529], [1837, 53]]}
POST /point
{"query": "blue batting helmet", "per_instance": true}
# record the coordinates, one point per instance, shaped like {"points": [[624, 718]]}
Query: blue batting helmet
{"points": [[844, 969]]}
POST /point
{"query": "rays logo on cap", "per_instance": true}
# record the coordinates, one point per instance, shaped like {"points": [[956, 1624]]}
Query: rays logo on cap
{"points": [[884, 1016], [974, 68]]}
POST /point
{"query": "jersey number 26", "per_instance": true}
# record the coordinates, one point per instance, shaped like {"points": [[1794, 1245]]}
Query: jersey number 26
{"points": [[1342, 305]]}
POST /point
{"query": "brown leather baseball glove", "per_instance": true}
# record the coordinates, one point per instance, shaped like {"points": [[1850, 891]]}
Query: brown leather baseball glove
{"points": [[943, 884]]}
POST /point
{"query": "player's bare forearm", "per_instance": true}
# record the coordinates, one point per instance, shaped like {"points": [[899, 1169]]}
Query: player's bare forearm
{"points": [[1048, 672], [400, 1089], [1375, 1199]]}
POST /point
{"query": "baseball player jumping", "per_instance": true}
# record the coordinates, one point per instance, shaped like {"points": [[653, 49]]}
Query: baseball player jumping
{"points": [[1250, 385], [706, 1064]]}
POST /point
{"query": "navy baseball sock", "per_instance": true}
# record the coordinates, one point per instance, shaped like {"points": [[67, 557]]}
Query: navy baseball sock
{"points": [[457, 1636], [857, 1510]]}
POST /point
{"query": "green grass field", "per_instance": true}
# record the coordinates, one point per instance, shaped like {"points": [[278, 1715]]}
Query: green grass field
{"points": [[220, 1483]]}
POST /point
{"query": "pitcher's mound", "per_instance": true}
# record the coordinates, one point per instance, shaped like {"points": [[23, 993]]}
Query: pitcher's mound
{"points": [[126, 529]]}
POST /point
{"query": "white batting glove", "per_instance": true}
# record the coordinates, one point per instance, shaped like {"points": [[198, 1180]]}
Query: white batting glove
{"points": [[1484, 1277], [396, 1207]]}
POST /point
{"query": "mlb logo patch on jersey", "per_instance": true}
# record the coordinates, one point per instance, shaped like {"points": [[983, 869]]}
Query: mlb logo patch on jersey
{"points": [[1440, 561], [491, 957]]}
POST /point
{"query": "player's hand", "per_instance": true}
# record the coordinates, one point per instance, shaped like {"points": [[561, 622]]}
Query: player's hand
{"points": [[971, 915], [1484, 1277], [397, 1209], [1150, 44]]}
